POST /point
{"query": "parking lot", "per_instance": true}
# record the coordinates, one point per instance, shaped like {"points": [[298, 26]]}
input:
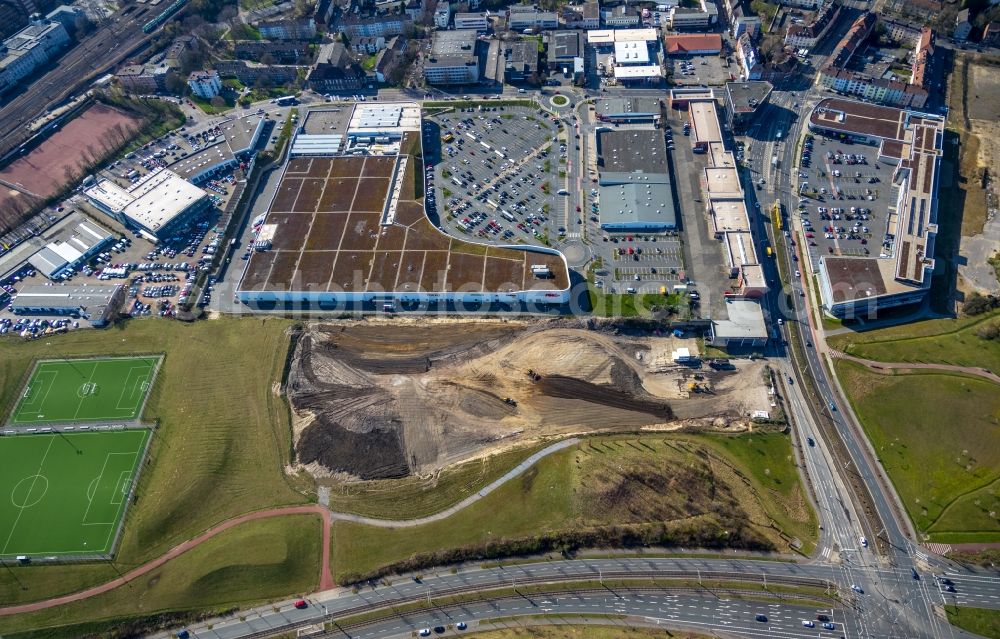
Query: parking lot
{"points": [[637, 263], [845, 195], [498, 173], [709, 70]]}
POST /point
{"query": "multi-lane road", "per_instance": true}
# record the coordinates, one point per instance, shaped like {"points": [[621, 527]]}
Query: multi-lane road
{"points": [[875, 613]]}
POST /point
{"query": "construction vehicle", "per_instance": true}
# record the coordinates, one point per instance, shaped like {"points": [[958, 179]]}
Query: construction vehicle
{"points": [[533, 375], [509, 401]]}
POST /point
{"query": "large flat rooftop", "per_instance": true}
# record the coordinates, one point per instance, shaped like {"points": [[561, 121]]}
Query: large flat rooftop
{"points": [[704, 122], [329, 234], [633, 151], [914, 140]]}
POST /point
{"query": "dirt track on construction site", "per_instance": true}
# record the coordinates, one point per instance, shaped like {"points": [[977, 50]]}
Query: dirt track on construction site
{"points": [[376, 400]]}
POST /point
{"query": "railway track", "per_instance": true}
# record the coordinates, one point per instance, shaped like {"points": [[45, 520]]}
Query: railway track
{"points": [[95, 55]]}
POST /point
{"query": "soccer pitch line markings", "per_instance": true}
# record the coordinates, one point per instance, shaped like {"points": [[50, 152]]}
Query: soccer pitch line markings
{"points": [[84, 390], [139, 386], [21, 509], [34, 391], [95, 485]]}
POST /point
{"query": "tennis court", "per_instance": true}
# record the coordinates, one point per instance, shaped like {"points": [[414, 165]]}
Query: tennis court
{"points": [[86, 390], [65, 493]]}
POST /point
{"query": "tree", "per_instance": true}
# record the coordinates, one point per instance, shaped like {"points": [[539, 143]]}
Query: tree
{"points": [[267, 59], [218, 102], [174, 84], [303, 8], [229, 14]]}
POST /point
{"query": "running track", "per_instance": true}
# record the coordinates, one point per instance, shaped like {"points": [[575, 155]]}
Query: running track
{"points": [[326, 579]]}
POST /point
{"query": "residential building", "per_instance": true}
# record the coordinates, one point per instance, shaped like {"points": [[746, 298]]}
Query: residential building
{"points": [[453, 58], [142, 79], [175, 52], [921, 9], [746, 24], [963, 27], [836, 76], [591, 15], [900, 30], [622, 16], [879, 90], [415, 9], [991, 35], [923, 55], [806, 36], [368, 45], [477, 21], [205, 84], [28, 49], [744, 101], [282, 51], [97, 304], [389, 60], [336, 70], [298, 29], [521, 17], [442, 14], [250, 73], [693, 44], [386, 26], [135, 79]]}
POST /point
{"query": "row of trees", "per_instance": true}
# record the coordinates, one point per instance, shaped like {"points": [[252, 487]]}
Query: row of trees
{"points": [[728, 531]]}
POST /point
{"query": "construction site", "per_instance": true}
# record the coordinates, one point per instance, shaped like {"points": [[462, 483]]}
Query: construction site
{"points": [[378, 400]]}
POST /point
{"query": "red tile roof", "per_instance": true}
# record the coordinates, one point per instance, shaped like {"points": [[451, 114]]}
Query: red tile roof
{"points": [[685, 43]]}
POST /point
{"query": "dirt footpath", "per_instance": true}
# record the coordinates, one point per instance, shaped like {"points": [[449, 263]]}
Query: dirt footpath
{"points": [[375, 400]]}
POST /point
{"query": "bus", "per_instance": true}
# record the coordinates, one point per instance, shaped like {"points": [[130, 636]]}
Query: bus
{"points": [[287, 100]]}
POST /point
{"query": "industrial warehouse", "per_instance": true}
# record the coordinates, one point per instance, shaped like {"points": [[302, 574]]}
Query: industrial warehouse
{"points": [[901, 272], [347, 225]]}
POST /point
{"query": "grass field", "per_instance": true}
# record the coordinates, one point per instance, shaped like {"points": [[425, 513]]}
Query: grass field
{"points": [[413, 497], [250, 563], [688, 483], [221, 445], [944, 341], [66, 493], [85, 390], [981, 621], [938, 438]]}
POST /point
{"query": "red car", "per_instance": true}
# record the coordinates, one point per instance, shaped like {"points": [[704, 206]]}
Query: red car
{"points": [[578, 209], [301, 603]]}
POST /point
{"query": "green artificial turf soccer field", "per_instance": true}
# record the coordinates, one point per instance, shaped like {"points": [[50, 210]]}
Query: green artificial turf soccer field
{"points": [[64, 493], [85, 390]]}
